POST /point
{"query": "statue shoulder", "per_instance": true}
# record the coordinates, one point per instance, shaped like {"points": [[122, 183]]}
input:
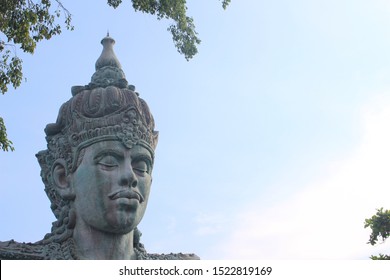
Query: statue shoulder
{"points": [[142, 254], [12, 250], [171, 256]]}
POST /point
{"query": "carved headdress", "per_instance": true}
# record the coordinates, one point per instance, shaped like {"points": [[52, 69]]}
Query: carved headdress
{"points": [[105, 109]]}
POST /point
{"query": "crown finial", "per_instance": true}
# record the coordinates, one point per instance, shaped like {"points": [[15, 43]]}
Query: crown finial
{"points": [[108, 70], [108, 57]]}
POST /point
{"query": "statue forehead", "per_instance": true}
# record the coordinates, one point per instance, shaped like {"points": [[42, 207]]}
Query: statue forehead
{"points": [[117, 146]]}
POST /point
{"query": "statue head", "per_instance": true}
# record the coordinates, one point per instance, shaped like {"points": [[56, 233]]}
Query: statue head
{"points": [[100, 152]]}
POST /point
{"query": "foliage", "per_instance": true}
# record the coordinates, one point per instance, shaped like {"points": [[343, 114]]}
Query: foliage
{"points": [[10, 70], [23, 23], [381, 257], [5, 144], [380, 226], [183, 30]]}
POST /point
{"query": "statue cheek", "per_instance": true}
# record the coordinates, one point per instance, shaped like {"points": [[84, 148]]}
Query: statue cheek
{"points": [[145, 190], [90, 184]]}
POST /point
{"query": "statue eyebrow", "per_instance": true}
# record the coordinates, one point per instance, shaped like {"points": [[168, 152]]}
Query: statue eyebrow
{"points": [[143, 157], [108, 152], [141, 154]]}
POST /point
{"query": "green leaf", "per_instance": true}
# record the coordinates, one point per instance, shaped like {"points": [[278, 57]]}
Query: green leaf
{"points": [[5, 144]]}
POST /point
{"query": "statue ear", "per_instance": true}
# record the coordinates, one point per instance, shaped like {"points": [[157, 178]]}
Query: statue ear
{"points": [[61, 179]]}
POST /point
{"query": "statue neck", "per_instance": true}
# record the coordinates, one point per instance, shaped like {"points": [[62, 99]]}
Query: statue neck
{"points": [[94, 244]]}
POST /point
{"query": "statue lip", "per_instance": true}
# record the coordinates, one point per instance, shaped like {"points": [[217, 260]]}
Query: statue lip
{"points": [[126, 194]]}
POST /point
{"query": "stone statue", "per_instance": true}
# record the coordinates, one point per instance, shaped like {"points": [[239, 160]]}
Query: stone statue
{"points": [[97, 172]]}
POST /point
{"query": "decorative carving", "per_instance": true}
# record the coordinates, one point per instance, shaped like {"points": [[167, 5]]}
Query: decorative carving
{"points": [[67, 250]]}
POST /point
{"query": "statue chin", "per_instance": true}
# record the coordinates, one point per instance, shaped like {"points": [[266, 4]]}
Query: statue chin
{"points": [[97, 171]]}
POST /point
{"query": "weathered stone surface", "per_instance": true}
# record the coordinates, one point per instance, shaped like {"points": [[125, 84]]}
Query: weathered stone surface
{"points": [[97, 171], [11, 250]]}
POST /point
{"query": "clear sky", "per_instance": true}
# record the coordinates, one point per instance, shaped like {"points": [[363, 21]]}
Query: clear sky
{"points": [[274, 139]]}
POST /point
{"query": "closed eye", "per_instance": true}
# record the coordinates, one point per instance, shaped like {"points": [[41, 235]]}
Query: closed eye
{"points": [[141, 166], [108, 162]]}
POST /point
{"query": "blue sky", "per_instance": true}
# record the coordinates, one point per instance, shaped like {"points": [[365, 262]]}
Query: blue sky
{"points": [[273, 140]]}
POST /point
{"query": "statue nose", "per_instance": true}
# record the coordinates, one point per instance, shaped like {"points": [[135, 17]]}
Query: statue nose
{"points": [[128, 177], [134, 183]]}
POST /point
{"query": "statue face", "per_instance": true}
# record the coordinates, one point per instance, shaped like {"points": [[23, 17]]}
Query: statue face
{"points": [[112, 185]]}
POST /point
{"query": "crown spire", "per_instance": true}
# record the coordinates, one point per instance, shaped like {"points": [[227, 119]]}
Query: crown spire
{"points": [[108, 70], [108, 57]]}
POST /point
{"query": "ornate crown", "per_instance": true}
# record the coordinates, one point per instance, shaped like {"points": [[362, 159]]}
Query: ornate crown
{"points": [[105, 109]]}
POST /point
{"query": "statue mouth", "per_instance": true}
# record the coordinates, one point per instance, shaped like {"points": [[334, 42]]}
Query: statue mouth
{"points": [[126, 194]]}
